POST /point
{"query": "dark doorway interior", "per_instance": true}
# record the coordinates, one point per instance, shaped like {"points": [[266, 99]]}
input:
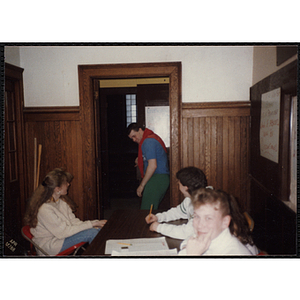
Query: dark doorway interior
{"points": [[118, 152], [121, 150], [120, 178]]}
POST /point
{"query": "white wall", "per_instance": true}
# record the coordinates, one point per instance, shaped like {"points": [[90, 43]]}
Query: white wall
{"points": [[209, 73], [12, 55], [264, 62]]}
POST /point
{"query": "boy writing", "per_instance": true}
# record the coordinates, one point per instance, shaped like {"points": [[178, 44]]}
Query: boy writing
{"points": [[189, 180]]}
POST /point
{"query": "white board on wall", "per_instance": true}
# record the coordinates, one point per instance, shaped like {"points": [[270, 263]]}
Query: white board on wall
{"points": [[269, 125], [158, 120]]}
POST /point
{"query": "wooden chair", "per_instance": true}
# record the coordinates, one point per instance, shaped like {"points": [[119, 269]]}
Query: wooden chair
{"points": [[33, 246], [249, 220], [251, 227]]}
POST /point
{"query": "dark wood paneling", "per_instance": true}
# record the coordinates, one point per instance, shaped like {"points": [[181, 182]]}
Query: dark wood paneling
{"points": [[275, 222], [275, 228], [14, 168], [274, 176], [215, 139], [217, 144], [58, 130], [283, 53]]}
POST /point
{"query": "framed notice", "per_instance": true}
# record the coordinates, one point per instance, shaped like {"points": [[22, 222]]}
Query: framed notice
{"points": [[270, 124]]}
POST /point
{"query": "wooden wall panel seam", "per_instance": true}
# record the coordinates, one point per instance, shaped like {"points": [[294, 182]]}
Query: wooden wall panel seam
{"points": [[215, 139]]}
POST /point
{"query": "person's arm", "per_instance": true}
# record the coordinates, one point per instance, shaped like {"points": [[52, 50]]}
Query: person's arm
{"points": [[76, 221], [181, 211], [98, 223], [152, 165], [55, 222], [174, 231], [151, 218]]}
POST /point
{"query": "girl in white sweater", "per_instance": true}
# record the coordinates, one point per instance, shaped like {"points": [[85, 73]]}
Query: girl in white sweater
{"points": [[50, 215]]}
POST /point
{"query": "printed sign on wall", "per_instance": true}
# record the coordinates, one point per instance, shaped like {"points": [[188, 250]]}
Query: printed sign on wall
{"points": [[269, 125]]}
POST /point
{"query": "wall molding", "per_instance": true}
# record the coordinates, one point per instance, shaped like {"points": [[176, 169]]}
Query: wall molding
{"points": [[51, 113], [222, 109]]}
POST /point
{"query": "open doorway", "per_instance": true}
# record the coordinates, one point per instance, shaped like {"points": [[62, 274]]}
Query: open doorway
{"points": [[89, 76], [122, 102]]}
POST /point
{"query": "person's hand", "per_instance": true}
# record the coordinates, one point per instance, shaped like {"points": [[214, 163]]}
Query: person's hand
{"points": [[102, 222], [136, 162], [99, 223], [153, 226], [139, 190], [198, 245], [151, 218]]}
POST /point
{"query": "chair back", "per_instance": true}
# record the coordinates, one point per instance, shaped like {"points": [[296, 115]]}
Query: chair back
{"points": [[249, 220], [28, 236], [26, 233]]}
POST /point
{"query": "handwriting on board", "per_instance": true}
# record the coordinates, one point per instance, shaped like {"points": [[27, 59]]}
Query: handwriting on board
{"points": [[269, 124]]}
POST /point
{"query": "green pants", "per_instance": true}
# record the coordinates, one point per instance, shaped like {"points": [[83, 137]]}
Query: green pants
{"points": [[155, 190]]}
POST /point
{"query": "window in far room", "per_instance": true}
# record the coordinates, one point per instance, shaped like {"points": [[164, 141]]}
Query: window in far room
{"points": [[131, 111]]}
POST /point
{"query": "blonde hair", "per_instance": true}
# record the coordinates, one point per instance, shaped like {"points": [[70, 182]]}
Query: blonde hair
{"points": [[227, 205], [44, 192]]}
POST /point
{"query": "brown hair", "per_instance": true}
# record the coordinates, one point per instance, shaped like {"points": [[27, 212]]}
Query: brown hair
{"points": [[227, 205], [192, 177], [44, 193]]}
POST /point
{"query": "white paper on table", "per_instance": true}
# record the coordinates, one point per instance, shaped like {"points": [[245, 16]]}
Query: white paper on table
{"points": [[136, 245], [169, 252]]}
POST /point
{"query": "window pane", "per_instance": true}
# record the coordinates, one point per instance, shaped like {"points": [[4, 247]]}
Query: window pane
{"points": [[131, 108]]}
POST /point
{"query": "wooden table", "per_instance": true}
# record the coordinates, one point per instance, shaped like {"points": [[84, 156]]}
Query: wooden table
{"points": [[127, 224]]}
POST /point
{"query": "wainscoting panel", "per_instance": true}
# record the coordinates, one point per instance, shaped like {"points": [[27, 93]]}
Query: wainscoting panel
{"points": [[59, 132], [215, 138]]}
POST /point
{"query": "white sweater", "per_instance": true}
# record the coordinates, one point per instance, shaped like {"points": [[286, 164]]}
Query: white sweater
{"points": [[224, 244], [185, 211], [55, 223]]}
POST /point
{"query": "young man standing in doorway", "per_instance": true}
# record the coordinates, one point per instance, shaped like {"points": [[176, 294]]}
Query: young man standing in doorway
{"points": [[153, 164]]}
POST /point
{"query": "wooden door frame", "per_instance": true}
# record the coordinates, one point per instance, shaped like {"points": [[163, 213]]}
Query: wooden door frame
{"points": [[15, 74], [87, 73]]}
